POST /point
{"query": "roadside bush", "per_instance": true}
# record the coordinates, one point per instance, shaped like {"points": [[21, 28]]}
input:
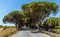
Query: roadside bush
{"points": [[5, 27], [46, 26], [58, 27], [6, 35], [58, 31], [11, 26], [0, 26]]}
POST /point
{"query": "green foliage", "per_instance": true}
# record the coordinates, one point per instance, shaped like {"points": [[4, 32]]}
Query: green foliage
{"points": [[5, 27], [52, 22], [32, 13], [58, 27], [15, 17], [0, 26], [11, 26], [58, 31], [38, 11], [6, 35]]}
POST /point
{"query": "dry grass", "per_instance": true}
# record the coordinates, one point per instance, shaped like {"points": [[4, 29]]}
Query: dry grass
{"points": [[51, 34], [7, 32], [48, 33]]}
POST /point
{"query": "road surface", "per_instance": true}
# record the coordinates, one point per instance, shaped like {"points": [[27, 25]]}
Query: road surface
{"points": [[29, 34]]}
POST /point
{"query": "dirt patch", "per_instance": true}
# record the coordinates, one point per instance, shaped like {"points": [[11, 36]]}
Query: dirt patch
{"points": [[1, 29], [52, 34]]}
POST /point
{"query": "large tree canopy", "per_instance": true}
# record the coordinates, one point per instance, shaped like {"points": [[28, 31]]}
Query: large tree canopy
{"points": [[38, 11], [32, 13], [16, 17]]}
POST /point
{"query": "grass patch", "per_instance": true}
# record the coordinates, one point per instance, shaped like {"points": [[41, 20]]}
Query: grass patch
{"points": [[6, 35], [11, 26], [7, 32], [5, 27]]}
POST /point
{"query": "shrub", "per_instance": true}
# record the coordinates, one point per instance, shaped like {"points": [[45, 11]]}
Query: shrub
{"points": [[5, 27], [58, 27], [6, 35], [58, 31], [0, 26]]}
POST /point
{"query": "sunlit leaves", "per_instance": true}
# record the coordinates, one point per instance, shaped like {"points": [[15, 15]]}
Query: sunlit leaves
{"points": [[52, 22], [31, 13], [39, 10]]}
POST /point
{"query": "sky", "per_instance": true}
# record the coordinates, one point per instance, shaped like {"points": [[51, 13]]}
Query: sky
{"points": [[6, 6]]}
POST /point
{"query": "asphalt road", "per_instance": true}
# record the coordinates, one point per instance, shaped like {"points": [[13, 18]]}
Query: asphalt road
{"points": [[29, 34]]}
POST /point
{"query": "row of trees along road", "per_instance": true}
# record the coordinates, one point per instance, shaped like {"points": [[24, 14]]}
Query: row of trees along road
{"points": [[31, 14], [51, 23]]}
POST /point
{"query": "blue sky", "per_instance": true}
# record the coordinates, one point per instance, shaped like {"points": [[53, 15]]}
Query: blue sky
{"points": [[10, 5]]}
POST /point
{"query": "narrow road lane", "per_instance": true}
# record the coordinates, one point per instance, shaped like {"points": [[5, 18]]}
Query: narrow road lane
{"points": [[29, 34]]}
